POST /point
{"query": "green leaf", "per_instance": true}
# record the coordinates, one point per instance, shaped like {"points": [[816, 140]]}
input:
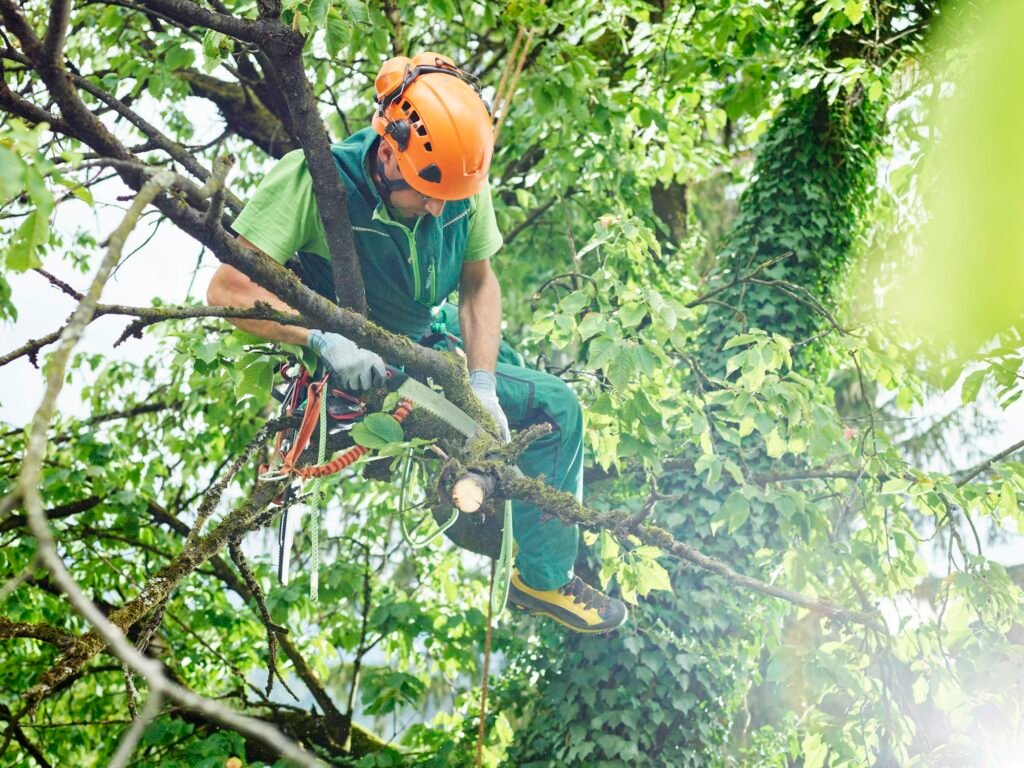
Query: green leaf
{"points": [[177, 57], [734, 471], [972, 385], [609, 546], [377, 430], [854, 10], [631, 313], [875, 91], [592, 324], [257, 379], [318, 10], [208, 352], [574, 302], [707, 444], [895, 485], [82, 193], [652, 576], [358, 11], [740, 340], [622, 369], [774, 444], [11, 169], [33, 232], [338, 35]]}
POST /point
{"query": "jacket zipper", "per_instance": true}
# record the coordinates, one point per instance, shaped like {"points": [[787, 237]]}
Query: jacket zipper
{"points": [[414, 260]]}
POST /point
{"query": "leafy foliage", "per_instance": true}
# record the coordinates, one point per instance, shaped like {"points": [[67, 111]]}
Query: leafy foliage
{"points": [[735, 405]]}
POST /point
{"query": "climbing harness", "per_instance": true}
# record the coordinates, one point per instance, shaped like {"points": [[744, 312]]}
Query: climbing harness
{"points": [[334, 410]]}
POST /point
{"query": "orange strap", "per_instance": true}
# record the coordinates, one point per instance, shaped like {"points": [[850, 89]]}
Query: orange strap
{"points": [[309, 420]]}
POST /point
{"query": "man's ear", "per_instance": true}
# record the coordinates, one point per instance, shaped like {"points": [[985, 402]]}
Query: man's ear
{"points": [[387, 156]]}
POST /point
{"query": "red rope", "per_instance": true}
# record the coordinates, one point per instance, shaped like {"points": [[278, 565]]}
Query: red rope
{"points": [[344, 459]]}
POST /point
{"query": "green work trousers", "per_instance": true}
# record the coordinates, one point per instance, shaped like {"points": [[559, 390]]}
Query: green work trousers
{"points": [[547, 546]]}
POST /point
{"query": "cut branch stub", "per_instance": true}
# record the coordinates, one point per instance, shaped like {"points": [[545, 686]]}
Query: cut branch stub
{"points": [[471, 491]]}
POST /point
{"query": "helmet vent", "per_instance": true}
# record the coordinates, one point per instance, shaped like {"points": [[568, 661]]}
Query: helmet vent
{"points": [[427, 147], [421, 129], [431, 173], [406, 106]]}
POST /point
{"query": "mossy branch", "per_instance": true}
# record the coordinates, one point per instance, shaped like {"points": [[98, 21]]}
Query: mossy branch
{"points": [[567, 508]]}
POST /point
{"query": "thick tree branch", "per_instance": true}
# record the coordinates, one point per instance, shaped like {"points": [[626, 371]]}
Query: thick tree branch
{"points": [[54, 513], [191, 13], [331, 198], [336, 720], [45, 632], [56, 32]]}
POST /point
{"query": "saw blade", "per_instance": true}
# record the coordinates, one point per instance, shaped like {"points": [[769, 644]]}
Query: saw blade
{"points": [[437, 404]]}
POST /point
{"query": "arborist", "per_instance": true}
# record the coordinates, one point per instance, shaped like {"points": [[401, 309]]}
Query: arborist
{"points": [[424, 226]]}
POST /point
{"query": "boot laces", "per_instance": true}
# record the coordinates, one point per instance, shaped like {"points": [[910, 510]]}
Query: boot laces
{"points": [[583, 593]]}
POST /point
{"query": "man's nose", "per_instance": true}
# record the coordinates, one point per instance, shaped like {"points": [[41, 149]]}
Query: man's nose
{"points": [[434, 206]]}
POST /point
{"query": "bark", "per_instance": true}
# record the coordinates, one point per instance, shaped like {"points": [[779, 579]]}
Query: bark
{"points": [[671, 205], [243, 112]]}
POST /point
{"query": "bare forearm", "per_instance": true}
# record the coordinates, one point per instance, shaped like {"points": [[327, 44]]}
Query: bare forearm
{"points": [[480, 318], [229, 288]]}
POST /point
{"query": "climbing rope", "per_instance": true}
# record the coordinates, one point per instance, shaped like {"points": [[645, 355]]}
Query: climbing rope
{"points": [[503, 565], [482, 732], [407, 535], [317, 502]]}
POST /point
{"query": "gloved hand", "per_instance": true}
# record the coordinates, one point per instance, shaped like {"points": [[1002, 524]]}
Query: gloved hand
{"points": [[357, 369], [484, 386]]}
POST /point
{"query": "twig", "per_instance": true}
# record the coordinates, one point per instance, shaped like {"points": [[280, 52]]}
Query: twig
{"points": [[235, 550], [152, 315], [214, 494], [57, 282], [535, 214], [705, 297], [18, 579], [131, 739], [974, 472]]}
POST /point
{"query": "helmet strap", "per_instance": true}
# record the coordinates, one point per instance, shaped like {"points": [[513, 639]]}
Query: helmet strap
{"points": [[384, 184]]}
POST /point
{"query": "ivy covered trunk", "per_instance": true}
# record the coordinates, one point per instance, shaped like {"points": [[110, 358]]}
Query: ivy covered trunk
{"points": [[672, 688]]}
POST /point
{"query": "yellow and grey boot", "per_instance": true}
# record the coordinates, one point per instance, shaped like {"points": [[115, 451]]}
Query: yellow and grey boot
{"points": [[576, 605]]}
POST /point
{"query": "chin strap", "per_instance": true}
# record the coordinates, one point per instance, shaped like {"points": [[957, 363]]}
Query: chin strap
{"points": [[387, 186]]}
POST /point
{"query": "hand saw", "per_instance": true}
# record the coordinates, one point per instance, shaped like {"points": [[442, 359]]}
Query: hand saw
{"points": [[433, 402]]}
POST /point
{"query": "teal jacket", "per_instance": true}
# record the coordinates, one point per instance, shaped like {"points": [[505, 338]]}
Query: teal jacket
{"points": [[406, 272]]}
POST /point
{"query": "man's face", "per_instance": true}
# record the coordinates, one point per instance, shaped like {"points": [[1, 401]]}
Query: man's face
{"points": [[408, 203]]}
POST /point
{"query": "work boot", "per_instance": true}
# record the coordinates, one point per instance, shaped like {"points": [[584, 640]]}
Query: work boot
{"points": [[576, 605]]}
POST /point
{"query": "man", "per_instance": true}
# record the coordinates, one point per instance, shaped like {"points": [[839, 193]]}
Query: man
{"points": [[424, 226]]}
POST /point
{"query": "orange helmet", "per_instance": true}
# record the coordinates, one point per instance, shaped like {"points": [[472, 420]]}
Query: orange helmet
{"points": [[431, 113]]}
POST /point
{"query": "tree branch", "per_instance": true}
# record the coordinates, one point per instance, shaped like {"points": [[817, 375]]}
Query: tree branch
{"points": [[45, 632], [110, 632], [984, 466], [187, 12], [56, 32], [567, 508]]}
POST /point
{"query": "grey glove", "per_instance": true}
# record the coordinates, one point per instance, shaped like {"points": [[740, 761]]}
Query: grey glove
{"points": [[484, 386], [357, 369]]}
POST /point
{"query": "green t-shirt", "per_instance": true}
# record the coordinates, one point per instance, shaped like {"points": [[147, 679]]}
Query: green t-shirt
{"points": [[282, 218]]}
